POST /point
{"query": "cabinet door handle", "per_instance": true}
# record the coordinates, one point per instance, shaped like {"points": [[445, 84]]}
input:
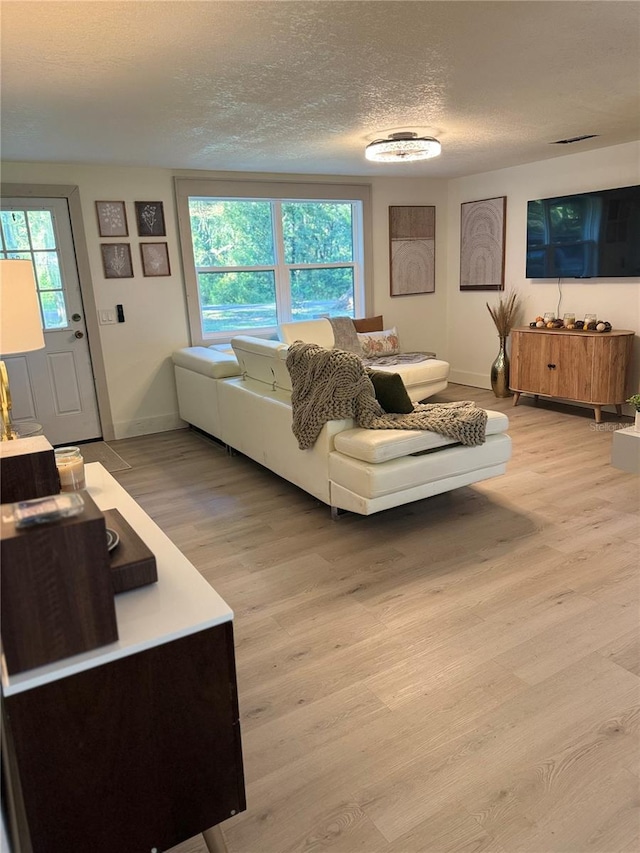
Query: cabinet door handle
{"points": [[551, 366]]}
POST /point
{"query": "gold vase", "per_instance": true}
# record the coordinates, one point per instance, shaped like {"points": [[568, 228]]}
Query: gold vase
{"points": [[500, 371]]}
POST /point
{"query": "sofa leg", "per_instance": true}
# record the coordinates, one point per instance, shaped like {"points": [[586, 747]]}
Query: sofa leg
{"points": [[336, 512], [230, 450]]}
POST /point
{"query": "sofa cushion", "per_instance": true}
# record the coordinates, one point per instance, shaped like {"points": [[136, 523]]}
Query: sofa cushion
{"points": [[207, 361], [417, 373], [369, 324], [380, 343], [411, 472], [372, 445], [390, 391]]}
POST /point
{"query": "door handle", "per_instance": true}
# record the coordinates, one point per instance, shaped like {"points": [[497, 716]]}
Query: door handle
{"points": [[78, 334], [76, 317], [551, 366]]}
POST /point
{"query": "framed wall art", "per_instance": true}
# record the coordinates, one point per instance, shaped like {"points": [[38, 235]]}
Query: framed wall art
{"points": [[482, 244], [116, 260], [150, 218], [155, 259], [412, 249], [112, 219]]}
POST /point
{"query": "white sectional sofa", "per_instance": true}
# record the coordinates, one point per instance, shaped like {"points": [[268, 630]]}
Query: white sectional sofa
{"points": [[421, 379], [245, 401]]}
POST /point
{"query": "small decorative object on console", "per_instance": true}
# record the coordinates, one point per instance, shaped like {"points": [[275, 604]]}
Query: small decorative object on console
{"points": [[70, 465], [59, 606], [569, 322], [43, 510]]}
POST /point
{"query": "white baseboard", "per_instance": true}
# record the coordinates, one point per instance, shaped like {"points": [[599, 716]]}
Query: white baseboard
{"points": [[476, 380], [147, 426]]}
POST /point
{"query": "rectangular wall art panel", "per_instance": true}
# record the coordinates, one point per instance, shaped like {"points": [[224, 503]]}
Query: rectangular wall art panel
{"points": [[482, 244], [412, 251]]}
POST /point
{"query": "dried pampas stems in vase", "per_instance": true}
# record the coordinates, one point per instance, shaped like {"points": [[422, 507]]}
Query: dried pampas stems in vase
{"points": [[503, 315]]}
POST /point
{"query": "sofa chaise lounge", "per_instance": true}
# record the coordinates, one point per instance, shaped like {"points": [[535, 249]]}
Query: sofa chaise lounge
{"points": [[244, 400], [422, 379]]}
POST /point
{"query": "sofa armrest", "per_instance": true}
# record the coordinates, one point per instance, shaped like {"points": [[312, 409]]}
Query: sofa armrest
{"points": [[207, 361]]}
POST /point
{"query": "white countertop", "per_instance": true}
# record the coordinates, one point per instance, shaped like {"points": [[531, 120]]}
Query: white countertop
{"points": [[180, 603]]}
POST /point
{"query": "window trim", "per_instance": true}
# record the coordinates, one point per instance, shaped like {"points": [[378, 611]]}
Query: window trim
{"points": [[268, 190]]}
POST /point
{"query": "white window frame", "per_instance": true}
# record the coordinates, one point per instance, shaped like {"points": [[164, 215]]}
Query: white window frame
{"points": [[276, 191]]}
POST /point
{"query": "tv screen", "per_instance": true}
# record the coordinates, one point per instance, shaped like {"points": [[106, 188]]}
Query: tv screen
{"points": [[585, 235]]}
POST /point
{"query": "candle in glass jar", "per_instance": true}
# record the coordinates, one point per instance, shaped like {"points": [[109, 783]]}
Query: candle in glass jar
{"points": [[70, 465]]}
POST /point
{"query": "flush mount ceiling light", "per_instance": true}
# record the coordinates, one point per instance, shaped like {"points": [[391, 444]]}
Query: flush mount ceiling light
{"points": [[404, 147]]}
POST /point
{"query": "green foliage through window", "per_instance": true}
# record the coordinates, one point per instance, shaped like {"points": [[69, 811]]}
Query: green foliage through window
{"points": [[254, 256]]}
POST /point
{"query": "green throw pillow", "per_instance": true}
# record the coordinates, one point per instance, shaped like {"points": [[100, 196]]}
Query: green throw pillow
{"points": [[390, 392]]}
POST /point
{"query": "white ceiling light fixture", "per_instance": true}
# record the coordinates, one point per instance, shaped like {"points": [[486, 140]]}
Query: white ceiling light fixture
{"points": [[405, 146]]}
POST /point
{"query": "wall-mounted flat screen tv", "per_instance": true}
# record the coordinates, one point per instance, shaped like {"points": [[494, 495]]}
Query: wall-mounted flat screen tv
{"points": [[585, 235]]}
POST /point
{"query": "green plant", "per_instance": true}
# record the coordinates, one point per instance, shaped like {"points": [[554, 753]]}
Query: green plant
{"points": [[635, 402], [504, 313]]}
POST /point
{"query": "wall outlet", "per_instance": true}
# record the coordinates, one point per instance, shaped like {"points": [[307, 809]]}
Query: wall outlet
{"points": [[106, 316]]}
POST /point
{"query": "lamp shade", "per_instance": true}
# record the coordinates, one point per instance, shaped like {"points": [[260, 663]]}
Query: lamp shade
{"points": [[20, 324]]}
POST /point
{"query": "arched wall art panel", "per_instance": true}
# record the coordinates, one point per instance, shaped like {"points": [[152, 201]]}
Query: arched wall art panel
{"points": [[482, 244]]}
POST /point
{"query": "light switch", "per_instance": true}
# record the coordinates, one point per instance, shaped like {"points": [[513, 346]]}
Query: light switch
{"points": [[106, 316]]}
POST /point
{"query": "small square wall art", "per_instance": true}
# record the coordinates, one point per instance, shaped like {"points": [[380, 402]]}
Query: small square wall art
{"points": [[112, 219], [150, 218], [155, 259], [116, 260]]}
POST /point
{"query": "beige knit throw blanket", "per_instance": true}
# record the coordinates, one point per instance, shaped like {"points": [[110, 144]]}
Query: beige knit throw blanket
{"points": [[332, 384]]}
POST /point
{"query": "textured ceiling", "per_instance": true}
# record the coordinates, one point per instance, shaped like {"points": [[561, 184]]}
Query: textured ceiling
{"points": [[304, 86]]}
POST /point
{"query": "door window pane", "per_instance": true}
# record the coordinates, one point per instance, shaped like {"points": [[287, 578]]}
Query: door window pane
{"points": [[41, 229], [230, 301], [317, 232], [53, 309], [231, 233], [321, 293], [14, 230], [47, 270]]}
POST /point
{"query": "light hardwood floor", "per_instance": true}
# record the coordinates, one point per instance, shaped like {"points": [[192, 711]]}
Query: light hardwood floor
{"points": [[458, 674]]}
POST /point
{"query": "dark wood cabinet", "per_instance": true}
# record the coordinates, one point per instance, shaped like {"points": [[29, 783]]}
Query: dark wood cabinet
{"points": [[134, 747], [588, 367]]}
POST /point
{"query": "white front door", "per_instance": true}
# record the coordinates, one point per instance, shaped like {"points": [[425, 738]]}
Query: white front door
{"points": [[53, 386]]}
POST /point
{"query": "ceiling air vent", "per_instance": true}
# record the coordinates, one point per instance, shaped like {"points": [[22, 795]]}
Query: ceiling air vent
{"points": [[574, 139]]}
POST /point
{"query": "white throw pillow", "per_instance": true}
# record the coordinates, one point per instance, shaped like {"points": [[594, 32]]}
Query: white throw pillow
{"points": [[375, 344]]}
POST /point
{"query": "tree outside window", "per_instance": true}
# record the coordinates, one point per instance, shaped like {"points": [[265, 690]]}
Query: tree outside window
{"points": [[260, 262]]}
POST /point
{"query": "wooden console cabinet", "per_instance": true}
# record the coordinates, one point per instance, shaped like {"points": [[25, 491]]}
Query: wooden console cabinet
{"points": [[133, 747], [586, 367]]}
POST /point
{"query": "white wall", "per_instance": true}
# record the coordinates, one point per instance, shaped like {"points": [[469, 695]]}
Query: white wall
{"points": [[137, 354], [420, 319], [473, 342]]}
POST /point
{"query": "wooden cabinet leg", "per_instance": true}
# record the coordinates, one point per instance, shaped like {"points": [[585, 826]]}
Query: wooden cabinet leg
{"points": [[214, 840], [516, 397], [598, 413], [619, 409]]}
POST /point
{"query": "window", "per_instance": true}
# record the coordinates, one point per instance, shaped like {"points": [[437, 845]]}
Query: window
{"points": [[254, 261], [30, 235]]}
